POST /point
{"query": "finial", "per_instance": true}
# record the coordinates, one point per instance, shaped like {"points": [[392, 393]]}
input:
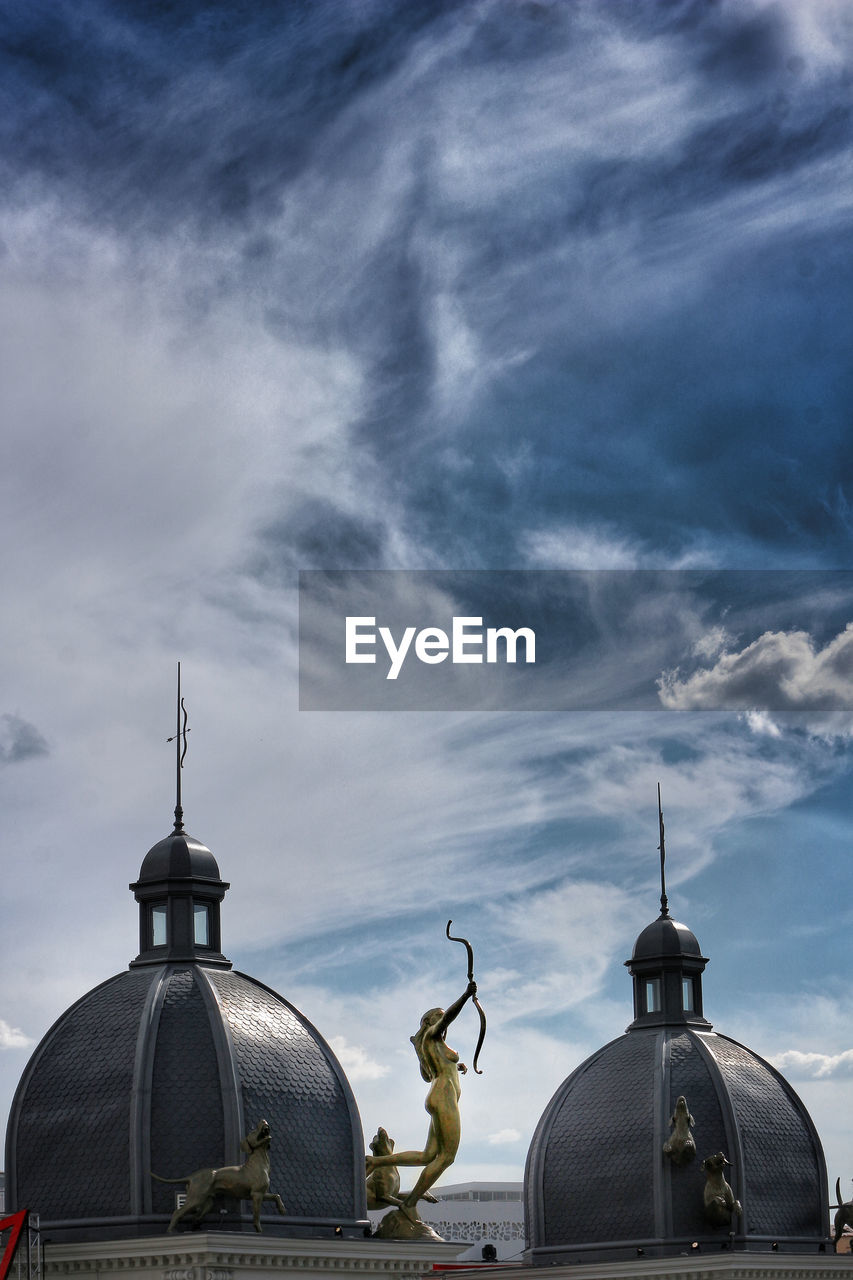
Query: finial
{"points": [[179, 737], [664, 907]]}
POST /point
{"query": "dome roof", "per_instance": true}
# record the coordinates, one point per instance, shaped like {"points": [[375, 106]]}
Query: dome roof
{"points": [[598, 1185], [665, 937], [166, 1068], [178, 856]]}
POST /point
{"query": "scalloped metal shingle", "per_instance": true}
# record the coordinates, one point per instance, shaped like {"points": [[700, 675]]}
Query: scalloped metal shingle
{"points": [[597, 1175], [154, 1069], [287, 1078]]}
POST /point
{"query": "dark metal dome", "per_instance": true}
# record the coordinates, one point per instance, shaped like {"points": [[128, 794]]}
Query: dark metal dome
{"points": [[665, 937], [178, 855], [166, 1067], [598, 1184]]}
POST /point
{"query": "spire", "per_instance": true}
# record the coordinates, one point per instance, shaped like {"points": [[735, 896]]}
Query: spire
{"points": [[664, 905], [666, 965], [179, 738], [179, 889]]}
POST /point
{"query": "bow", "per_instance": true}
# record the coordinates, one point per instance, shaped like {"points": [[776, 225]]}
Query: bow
{"points": [[470, 950]]}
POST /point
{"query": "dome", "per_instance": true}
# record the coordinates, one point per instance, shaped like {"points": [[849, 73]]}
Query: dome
{"points": [[599, 1184], [665, 937], [165, 1068], [177, 856]]}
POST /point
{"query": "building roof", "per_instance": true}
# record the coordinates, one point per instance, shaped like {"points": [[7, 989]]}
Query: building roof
{"points": [[166, 1067], [598, 1184], [178, 856]]}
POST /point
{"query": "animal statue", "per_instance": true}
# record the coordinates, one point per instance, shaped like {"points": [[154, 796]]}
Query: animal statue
{"points": [[383, 1184], [843, 1215], [719, 1199], [680, 1145], [249, 1181]]}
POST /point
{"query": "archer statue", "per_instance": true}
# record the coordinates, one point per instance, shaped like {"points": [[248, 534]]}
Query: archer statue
{"points": [[441, 1068]]}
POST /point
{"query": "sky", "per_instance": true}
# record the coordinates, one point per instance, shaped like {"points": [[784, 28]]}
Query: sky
{"points": [[480, 286]]}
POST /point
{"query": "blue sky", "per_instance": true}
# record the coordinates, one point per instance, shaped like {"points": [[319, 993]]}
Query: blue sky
{"points": [[482, 285]]}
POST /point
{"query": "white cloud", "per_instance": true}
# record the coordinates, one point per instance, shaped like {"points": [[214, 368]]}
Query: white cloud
{"points": [[711, 642], [781, 671], [816, 1066], [573, 546], [761, 723], [603, 545], [577, 928], [503, 1137], [356, 1062], [13, 1038]]}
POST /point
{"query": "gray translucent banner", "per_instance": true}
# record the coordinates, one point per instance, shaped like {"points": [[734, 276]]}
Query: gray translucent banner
{"points": [[529, 640]]}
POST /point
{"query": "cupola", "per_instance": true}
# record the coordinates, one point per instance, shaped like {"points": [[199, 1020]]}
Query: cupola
{"points": [[179, 891], [666, 965]]}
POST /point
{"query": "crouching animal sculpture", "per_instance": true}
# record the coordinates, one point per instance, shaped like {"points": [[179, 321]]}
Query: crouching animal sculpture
{"points": [[720, 1203], [383, 1184], [249, 1181], [680, 1146]]}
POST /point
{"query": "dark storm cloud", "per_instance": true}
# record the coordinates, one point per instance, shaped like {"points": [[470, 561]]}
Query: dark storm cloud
{"points": [[167, 111], [20, 740], [317, 534], [592, 261]]}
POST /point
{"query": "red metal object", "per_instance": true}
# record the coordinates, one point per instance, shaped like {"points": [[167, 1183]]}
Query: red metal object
{"points": [[16, 1221]]}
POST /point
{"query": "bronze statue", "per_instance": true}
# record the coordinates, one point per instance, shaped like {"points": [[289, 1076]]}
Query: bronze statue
{"points": [[680, 1145], [440, 1067], [719, 1199], [383, 1184], [249, 1181]]}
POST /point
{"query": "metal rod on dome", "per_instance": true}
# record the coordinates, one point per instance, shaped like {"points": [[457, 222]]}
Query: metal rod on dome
{"points": [[664, 906], [180, 736]]}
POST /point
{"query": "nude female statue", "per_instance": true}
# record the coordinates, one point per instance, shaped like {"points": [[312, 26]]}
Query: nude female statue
{"points": [[441, 1068]]}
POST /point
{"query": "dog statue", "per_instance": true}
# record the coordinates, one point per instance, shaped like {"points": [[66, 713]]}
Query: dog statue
{"points": [[720, 1203], [249, 1181], [843, 1215], [383, 1184], [680, 1146]]}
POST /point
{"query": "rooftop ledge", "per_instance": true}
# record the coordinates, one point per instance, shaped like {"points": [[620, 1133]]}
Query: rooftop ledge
{"points": [[212, 1255]]}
